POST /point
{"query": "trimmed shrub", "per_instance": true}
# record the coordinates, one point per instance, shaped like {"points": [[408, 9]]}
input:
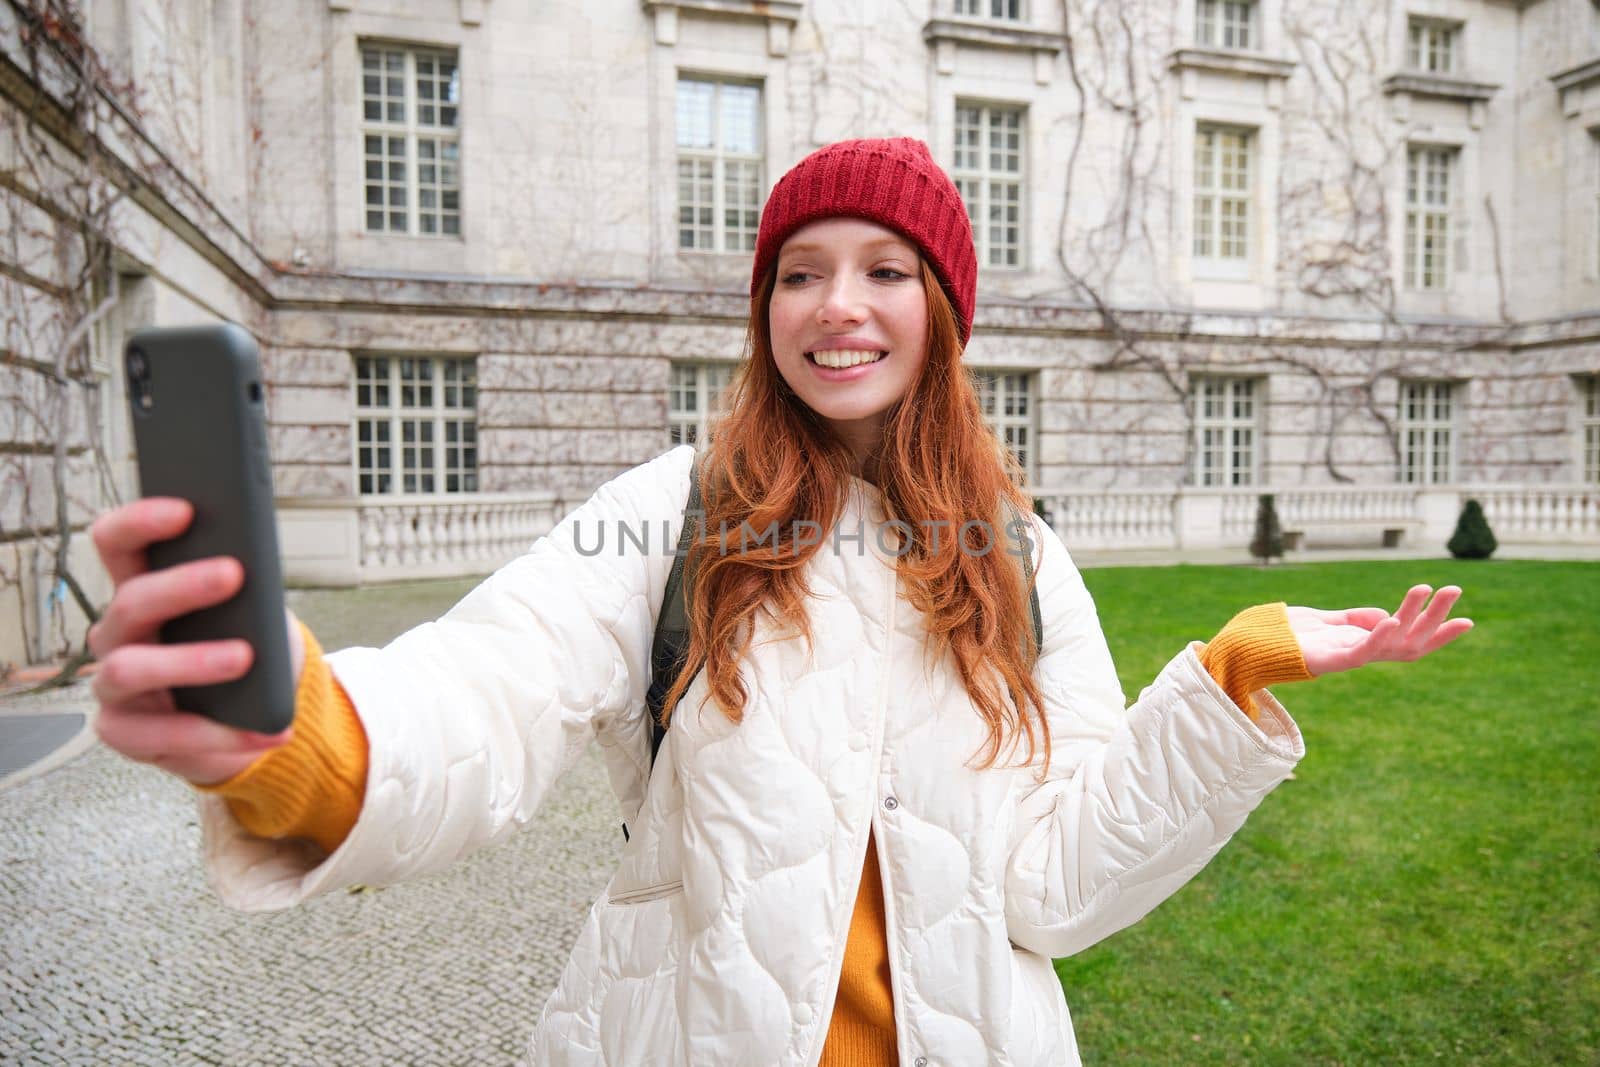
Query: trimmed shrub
{"points": [[1268, 541], [1473, 539]]}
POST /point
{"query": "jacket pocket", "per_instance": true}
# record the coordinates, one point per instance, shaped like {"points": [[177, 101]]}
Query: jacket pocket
{"points": [[645, 895]]}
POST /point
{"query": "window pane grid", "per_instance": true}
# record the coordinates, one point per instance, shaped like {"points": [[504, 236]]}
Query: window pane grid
{"points": [[1431, 46], [1222, 185], [416, 425], [1591, 428], [1427, 432], [988, 173], [411, 102], [1005, 399], [1226, 431], [1428, 208], [720, 164], [1010, 10], [1225, 23], [692, 395]]}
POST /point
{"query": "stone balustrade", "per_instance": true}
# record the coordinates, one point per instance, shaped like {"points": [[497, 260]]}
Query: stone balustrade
{"points": [[463, 534], [1193, 517], [347, 542], [1540, 513]]}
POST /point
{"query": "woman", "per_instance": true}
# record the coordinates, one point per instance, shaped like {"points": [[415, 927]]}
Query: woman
{"points": [[881, 807]]}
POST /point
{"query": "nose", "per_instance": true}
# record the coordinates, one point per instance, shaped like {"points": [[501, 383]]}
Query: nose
{"points": [[842, 302]]}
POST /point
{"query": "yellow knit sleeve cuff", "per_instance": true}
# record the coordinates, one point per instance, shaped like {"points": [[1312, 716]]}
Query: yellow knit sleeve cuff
{"points": [[1256, 649], [313, 786]]}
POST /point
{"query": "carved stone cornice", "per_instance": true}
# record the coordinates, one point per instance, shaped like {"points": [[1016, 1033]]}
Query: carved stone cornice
{"points": [[945, 35], [1571, 83], [1440, 86], [988, 33], [779, 15], [1227, 61]]}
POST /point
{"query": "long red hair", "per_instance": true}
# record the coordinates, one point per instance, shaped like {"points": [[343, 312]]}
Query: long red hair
{"points": [[773, 460]]}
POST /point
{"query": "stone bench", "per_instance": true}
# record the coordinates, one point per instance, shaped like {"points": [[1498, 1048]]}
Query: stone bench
{"points": [[1391, 531]]}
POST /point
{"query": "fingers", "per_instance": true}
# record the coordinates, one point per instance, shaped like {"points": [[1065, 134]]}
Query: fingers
{"points": [[191, 745], [1378, 643], [1425, 630], [134, 671], [122, 535], [146, 600], [1446, 633], [1439, 609], [1412, 605]]}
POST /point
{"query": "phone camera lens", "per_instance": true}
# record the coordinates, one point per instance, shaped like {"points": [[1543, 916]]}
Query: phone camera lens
{"points": [[138, 366]]}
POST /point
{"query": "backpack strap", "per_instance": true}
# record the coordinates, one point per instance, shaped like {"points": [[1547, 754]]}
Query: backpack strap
{"points": [[671, 645], [1023, 546]]}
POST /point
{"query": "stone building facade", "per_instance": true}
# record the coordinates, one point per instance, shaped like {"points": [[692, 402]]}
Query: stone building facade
{"points": [[496, 253]]}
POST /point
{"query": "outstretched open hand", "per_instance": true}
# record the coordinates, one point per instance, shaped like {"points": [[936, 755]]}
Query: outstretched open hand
{"points": [[1344, 640]]}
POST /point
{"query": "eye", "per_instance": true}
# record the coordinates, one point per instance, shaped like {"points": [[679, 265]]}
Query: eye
{"points": [[797, 277], [889, 274]]}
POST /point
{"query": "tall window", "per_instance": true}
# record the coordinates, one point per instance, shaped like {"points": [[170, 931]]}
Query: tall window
{"points": [[1429, 174], [988, 171], [1226, 430], [411, 119], [1427, 432], [1431, 46], [692, 401], [1222, 185], [1226, 24], [995, 9], [1006, 401], [1594, 145], [719, 165], [416, 424], [1590, 388]]}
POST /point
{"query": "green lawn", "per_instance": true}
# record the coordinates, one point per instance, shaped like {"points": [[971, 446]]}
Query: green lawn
{"points": [[1427, 889]]}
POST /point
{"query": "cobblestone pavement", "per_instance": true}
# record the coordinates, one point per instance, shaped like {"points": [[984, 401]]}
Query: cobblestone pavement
{"points": [[114, 951]]}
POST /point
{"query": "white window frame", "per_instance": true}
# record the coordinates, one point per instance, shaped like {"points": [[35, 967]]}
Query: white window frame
{"points": [[1223, 223], [442, 417], [1227, 440], [1005, 397], [1233, 25], [735, 180], [990, 169], [693, 391], [1001, 10], [1589, 427], [1427, 428], [1594, 154], [1432, 172], [436, 179], [1433, 46]]}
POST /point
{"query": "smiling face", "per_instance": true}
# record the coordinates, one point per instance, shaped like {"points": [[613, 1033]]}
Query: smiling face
{"points": [[849, 324]]}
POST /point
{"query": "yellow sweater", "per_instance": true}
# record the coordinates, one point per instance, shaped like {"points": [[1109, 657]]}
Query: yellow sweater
{"points": [[312, 787]]}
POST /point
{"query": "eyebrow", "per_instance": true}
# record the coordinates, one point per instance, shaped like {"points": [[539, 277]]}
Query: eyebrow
{"points": [[897, 243]]}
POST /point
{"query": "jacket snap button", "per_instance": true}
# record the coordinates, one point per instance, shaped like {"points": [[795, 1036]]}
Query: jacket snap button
{"points": [[922, 1061], [889, 804]]}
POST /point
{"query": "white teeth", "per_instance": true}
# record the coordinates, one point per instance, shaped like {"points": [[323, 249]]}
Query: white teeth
{"points": [[838, 359]]}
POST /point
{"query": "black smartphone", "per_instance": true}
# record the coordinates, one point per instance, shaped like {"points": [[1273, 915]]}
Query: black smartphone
{"points": [[200, 432]]}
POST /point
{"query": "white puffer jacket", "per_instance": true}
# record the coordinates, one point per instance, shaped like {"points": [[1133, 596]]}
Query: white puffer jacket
{"points": [[720, 937]]}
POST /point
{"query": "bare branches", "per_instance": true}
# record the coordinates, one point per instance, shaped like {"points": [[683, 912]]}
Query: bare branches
{"points": [[59, 286]]}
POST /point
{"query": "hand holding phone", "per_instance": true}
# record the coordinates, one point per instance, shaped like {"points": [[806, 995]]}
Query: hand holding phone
{"points": [[138, 715], [195, 563]]}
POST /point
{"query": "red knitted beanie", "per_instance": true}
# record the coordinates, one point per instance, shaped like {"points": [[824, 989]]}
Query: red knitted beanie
{"points": [[893, 182]]}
